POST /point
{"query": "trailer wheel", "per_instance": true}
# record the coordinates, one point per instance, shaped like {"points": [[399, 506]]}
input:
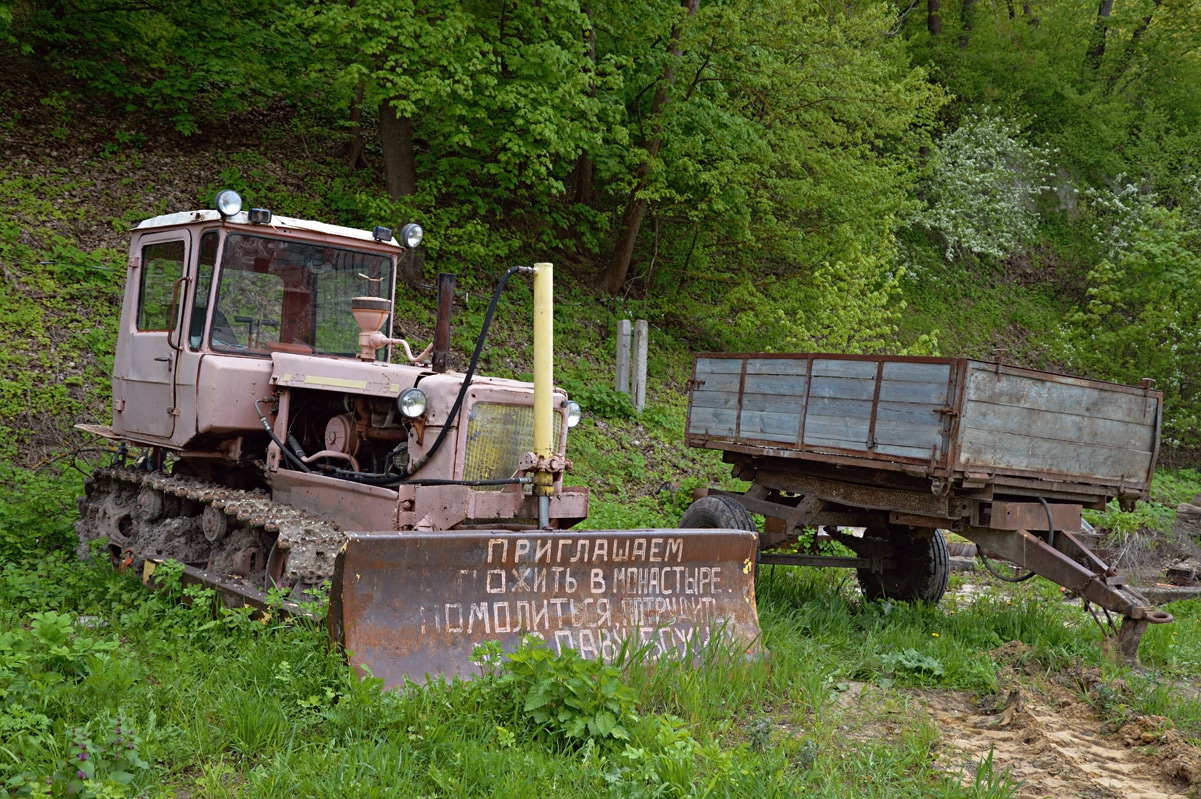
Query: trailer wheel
{"points": [[714, 511], [923, 566]]}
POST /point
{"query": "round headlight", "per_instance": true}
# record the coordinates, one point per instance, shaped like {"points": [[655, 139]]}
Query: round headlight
{"points": [[411, 235], [228, 202], [574, 412], [411, 402]]}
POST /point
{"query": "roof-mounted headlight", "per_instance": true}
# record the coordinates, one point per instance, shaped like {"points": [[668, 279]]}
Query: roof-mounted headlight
{"points": [[228, 202], [574, 412], [411, 402], [411, 235]]}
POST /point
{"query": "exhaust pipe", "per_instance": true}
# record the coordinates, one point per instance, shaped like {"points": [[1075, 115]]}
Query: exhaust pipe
{"points": [[446, 293]]}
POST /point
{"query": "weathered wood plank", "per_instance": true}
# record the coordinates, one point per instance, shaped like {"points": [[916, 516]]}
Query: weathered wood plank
{"points": [[903, 434], [703, 398], [835, 431], [852, 408], [837, 443], [776, 384], [719, 365], [912, 372], [920, 415], [777, 366], [711, 381], [770, 426], [1062, 425], [713, 422], [992, 451], [778, 403], [842, 388], [904, 452], [934, 394], [1034, 394], [833, 367]]}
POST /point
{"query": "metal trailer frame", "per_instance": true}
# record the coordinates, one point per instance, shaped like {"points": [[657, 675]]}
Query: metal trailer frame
{"points": [[1031, 517]]}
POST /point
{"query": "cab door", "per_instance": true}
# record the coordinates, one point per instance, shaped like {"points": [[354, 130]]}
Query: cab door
{"points": [[150, 340]]}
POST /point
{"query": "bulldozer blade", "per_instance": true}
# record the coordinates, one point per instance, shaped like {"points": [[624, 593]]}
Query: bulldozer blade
{"points": [[414, 606]]}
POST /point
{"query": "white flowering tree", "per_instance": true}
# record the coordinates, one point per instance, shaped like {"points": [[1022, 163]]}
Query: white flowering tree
{"points": [[983, 181]]}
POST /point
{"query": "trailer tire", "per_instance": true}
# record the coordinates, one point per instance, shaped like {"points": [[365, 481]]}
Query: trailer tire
{"points": [[717, 512], [923, 566]]}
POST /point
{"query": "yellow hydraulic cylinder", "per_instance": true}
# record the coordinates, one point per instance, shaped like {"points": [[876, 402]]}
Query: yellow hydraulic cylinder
{"points": [[543, 373]]}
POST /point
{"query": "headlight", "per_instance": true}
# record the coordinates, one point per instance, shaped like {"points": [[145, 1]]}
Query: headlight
{"points": [[411, 235], [411, 402], [573, 413], [228, 203]]}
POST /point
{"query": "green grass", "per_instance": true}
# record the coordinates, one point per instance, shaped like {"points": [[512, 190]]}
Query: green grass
{"points": [[217, 704]]}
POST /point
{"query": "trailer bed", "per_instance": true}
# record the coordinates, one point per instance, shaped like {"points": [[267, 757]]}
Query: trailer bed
{"points": [[963, 424]]}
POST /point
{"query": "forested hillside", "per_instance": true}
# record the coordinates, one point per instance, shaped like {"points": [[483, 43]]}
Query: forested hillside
{"points": [[1001, 180]]}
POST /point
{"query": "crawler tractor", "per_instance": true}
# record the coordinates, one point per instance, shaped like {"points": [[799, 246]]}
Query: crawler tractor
{"points": [[280, 447]]}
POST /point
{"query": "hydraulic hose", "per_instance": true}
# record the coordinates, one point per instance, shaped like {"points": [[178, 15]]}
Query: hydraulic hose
{"points": [[1050, 542], [292, 458]]}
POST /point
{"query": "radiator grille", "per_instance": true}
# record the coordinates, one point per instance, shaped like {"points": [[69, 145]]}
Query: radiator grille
{"points": [[497, 437]]}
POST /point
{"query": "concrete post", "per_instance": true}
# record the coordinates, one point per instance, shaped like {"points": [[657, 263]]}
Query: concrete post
{"points": [[641, 336], [623, 356]]}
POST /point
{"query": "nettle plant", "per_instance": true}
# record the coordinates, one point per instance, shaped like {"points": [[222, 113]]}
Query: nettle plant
{"points": [[983, 183]]}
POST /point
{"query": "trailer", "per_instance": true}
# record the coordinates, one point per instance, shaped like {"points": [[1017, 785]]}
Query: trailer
{"points": [[904, 448]]}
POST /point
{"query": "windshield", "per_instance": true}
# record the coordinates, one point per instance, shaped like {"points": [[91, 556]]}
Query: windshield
{"points": [[289, 296]]}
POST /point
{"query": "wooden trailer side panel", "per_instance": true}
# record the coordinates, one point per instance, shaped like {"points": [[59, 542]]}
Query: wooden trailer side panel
{"points": [[1020, 421], [866, 407]]}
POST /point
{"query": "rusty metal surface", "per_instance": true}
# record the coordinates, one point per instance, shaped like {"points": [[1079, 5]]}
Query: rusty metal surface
{"points": [[826, 561], [1029, 516], [1098, 584], [234, 593], [861, 496], [446, 293], [415, 605]]}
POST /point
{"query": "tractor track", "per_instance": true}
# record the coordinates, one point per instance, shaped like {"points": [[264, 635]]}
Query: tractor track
{"points": [[242, 535]]}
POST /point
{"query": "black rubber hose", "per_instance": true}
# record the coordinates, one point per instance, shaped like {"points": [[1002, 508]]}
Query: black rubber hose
{"points": [[1050, 523], [295, 461], [392, 480], [1027, 575]]}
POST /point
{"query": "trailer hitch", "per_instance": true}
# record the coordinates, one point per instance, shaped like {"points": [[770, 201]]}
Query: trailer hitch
{"points": [[1075, 567]]}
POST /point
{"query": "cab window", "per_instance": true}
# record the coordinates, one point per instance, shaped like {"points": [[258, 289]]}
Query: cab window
{"points": [[162, 267], [204, 282]]}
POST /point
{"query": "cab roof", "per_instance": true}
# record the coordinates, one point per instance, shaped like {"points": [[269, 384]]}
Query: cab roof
{"points": [[240, 218]]}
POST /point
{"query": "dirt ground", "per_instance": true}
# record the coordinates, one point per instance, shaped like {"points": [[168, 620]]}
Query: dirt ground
{"points": [[1047, 734]]}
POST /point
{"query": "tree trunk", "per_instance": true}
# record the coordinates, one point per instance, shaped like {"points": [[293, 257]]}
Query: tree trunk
{"points": [[934, 17], [396, 139], [1132, 45], [584, 167], [1028, 13], [356, 156], [1096, 52], [967, 21], [623, 251]]}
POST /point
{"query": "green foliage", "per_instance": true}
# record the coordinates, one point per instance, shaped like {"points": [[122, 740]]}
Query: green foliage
{"points": [[853, 307], [186, 63], [1144, 300], [598, 399], [566, 700], [38, 519], [89, 770]]}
